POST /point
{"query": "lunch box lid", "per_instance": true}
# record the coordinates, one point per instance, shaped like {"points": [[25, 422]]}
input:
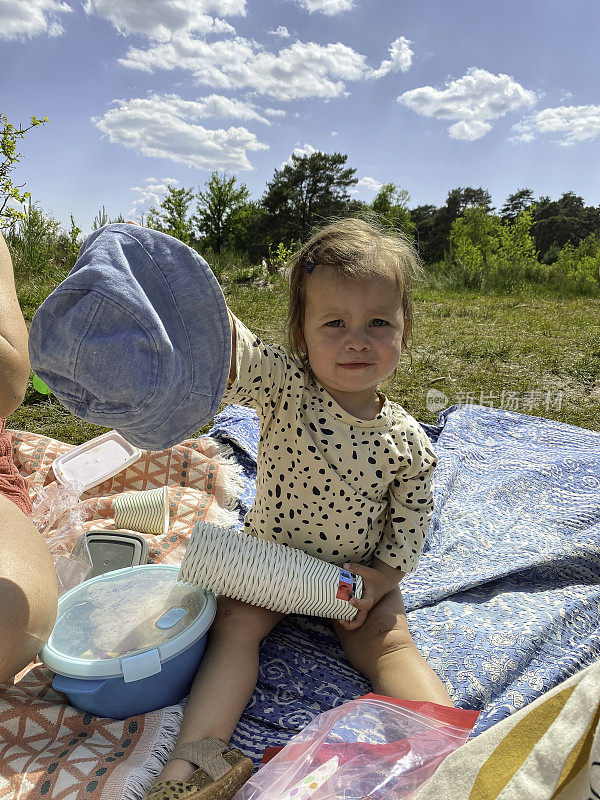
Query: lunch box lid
{"points": [[95, 461], [126, 623]]}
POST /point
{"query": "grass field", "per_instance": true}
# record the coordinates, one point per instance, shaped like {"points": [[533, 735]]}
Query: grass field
{"points": [[534, 352]]}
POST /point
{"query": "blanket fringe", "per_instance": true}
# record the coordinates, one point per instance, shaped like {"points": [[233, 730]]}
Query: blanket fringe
{"points": [[222, 453], [141, 779]]}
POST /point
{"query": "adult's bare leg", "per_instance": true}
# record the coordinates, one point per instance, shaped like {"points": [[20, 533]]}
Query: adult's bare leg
{"points": [[28, 591]]}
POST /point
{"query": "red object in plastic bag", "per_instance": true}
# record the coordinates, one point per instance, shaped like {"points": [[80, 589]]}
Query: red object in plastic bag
{"points": [[374, 747]]}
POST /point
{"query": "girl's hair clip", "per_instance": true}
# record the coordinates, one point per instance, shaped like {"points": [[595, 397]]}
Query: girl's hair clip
{"points": [[310, 261]]}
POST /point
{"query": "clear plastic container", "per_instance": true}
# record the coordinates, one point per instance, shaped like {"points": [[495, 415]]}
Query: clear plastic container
{"points": [[95, 461], [129, 641]]}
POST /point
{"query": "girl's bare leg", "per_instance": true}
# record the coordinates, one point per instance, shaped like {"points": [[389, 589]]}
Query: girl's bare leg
{"points": [[383, 650], [225, 679]]}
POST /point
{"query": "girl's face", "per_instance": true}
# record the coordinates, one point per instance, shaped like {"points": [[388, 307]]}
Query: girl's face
{"points": [[353, 334]]}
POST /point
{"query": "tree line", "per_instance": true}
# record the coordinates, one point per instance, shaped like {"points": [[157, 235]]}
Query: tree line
{"points": [[466, 241], [311, 188]]}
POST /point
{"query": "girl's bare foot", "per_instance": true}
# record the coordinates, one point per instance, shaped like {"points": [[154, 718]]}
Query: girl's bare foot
{"points": [[176, 770]]}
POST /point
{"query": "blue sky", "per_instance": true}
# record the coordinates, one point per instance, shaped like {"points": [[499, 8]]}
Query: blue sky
{"points": [[431, 95]]}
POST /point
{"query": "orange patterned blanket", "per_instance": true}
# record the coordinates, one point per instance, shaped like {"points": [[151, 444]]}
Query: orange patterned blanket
{"points": [[48, 749]]}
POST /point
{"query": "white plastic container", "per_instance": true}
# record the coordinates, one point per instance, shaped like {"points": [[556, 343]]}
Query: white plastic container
{"points": [[95, 461]]}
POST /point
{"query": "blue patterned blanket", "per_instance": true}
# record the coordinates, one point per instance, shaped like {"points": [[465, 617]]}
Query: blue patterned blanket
{"points": [[505, 602]]}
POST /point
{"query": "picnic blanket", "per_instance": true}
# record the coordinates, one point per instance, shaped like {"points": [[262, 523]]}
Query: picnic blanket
{"points": [[12, 484], [504, 604], [49, 749]]}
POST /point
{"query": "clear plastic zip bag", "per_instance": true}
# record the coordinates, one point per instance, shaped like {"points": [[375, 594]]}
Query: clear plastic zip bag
{"points": [[375, 748], [58, 514]]}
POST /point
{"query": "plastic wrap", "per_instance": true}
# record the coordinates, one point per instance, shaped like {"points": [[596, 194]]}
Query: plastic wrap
{"points": [[58, 514], [374, 747]]}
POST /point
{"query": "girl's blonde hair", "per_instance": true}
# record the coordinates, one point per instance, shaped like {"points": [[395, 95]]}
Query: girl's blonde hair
{"points": [[352, 248]]}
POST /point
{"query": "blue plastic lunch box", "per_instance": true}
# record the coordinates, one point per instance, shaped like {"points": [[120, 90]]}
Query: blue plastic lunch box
{"points": [[129, 641]]}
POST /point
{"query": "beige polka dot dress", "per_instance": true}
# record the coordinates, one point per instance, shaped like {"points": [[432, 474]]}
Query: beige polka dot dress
{"points": [[338, 487]]}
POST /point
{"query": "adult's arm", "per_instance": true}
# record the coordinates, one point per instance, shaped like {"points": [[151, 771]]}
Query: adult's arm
{"points": [[14, 360]]}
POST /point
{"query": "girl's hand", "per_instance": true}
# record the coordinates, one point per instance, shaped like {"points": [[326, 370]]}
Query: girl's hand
{"points": [[378, 580]]}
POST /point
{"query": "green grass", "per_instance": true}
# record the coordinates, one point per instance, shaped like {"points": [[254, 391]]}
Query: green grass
{"points": [[517, 350], [467, 344]]}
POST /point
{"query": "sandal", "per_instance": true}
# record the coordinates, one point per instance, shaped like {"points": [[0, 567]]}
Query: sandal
{"points": [[219, 774]]}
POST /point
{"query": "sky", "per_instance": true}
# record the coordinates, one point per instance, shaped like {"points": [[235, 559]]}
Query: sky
{"points": [[430, 95]]}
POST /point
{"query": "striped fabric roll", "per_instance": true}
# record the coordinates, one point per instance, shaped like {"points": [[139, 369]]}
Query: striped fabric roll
{"points": [[549, 750], [267, 574]]}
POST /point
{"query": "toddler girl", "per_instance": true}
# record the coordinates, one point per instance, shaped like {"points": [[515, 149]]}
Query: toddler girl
{"points": [[343, 474]]}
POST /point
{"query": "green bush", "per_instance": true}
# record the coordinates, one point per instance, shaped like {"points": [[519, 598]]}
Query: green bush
{"points": [[490, 254], [280, 255], [33, 243], [514, 259], [576, 268], [474, 239], [42, 254], [224, 263]]}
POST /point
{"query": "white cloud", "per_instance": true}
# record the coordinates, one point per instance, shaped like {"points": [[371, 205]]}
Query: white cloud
{"points": [[400, 58], [150, 195], [328, 7], [21, 19], [164, 127], [524, 131], [160, 19], [214, 106], [469, 130], [299, 71], [473, 100], [281, 31], [275, 112], [307, 150], [568, 124], [334, 133], [369, 183]]}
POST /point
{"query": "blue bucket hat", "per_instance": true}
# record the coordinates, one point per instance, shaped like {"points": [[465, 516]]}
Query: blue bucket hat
{"points": [[136, 338]]}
